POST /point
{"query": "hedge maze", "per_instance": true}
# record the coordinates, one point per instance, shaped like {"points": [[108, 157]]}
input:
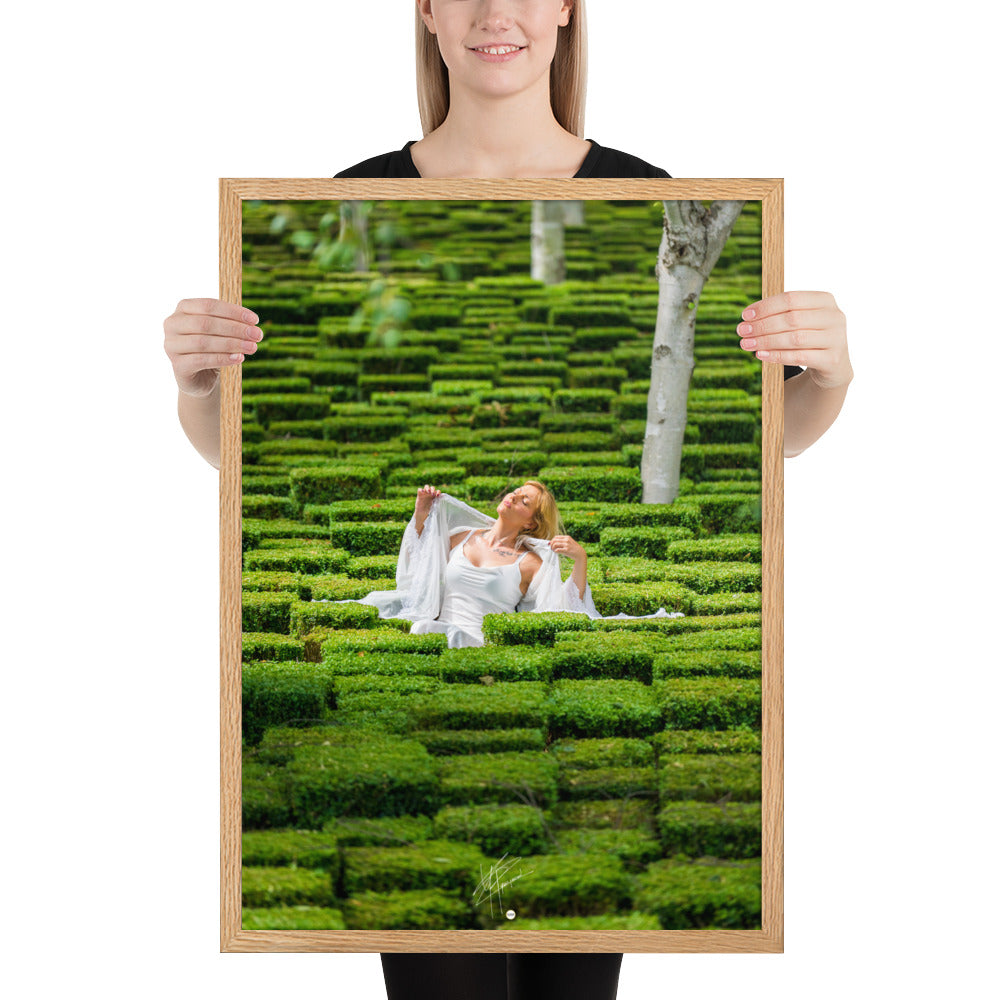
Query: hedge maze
{"points": [[614, 764]]}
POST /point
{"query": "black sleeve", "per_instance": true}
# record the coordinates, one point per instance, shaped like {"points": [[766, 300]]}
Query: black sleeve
{"points": [[791, 371]]}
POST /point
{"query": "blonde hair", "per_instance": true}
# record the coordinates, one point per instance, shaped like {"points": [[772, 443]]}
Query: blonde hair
{"points": [[567, 75], [548, 523]]}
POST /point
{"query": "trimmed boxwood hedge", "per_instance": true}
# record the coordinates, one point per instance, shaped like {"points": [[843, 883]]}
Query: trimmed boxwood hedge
{"points": [[442, 742], [607, 782], [294, 848], [603, 708], [642, 542], [536, 628], [366, 831], [709, 702], [706, 741], [609, 814], [424, 909], [367, 774], [493, 706], [566, 884], [721, 548], [286, 886], [707, 663], [634, 848], [702, 894], [271, 646], [292, 918], [284, 693], [613, 751], [471, 664], [343, 482], [266, 802], [592, 656], [522, 776], [429, 864], [730, 830], [710, 777], [496, 829]]}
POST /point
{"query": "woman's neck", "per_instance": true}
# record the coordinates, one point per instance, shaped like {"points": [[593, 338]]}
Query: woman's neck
{"points": [[500, 536], [514, 137]]}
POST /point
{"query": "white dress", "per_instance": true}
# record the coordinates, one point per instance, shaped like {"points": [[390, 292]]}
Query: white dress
{"points": [[439, 590], [470, 592]]}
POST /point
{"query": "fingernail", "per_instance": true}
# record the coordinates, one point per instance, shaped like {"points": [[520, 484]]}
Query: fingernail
{"points": [[763, 354], [744, 329], [256, 318], [235, 357], [749, 313], [748, 345]]}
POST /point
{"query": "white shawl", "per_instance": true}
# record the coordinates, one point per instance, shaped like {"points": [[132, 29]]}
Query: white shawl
{"points": [[423, 558]]}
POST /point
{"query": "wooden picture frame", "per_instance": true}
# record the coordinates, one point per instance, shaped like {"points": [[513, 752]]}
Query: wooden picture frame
{"points": [[769, 937]]}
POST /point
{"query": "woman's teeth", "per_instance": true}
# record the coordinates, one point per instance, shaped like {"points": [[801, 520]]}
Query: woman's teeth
{"points": [[499, 50]]}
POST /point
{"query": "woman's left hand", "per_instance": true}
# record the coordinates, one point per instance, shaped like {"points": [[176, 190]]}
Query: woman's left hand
{"points": [[565, 546], [800, 328]]}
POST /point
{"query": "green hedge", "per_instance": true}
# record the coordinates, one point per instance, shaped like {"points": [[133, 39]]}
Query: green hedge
{"points": [[469, 665], [287, 887], [706, 741], [592, 483], [292, 848], [603, 708], [698, 829], [292, 918], [265, 799], [612, 751], [366, 831], [443, 742], [523, 776], [271, 646], [496, 829], [429, 864], [465, 706], [536, 628], [710, 777], [566, 885], [426, 909], [707, 663], [609, 814], [643, 543], [709, 703], [336, 482], [722, 548], [634, 848], [283, 693], [603, 655], [366, 774], [368, 538], [701, 894], [607, 782]]}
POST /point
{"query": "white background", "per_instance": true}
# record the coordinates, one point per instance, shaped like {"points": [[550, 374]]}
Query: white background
{"points": [[119, 119]]}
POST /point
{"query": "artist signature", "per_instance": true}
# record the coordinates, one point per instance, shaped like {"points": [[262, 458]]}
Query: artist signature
{"points": [[495, 879]]}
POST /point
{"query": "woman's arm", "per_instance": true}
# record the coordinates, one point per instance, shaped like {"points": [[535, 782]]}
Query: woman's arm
{"points": [[810, 409], [565, 546], [426, 495]]}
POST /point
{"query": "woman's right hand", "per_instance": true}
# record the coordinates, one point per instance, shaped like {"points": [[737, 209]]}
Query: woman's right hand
{"points": [[426, 495], [203, 335]]}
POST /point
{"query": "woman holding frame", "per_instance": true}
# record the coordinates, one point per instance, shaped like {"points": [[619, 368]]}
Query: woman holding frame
{"points": [[501, 90]]}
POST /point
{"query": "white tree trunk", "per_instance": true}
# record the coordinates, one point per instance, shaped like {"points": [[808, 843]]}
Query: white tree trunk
{"points": [[548, 256], [693, 238], [354, 228], [573, 213]]}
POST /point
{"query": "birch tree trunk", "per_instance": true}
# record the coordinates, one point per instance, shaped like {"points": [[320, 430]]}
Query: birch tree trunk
{"points": [[573, 213], [548, 256], [693, 238], [354, 229]]}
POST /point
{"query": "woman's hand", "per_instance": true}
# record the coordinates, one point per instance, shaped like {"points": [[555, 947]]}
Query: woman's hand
{"points": [[800, 328], [565, 546], [203, 335], [426, 495]]}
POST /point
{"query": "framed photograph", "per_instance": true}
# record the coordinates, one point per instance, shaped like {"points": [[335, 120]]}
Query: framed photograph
{"points": [[501, 568]]}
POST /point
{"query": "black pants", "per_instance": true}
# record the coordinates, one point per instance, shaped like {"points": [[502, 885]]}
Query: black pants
{"points": [[565, 976]]}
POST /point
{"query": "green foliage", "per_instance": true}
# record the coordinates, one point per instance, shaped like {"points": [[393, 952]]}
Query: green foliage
{"points": [[286, 887], [495, 829], [730, 830], [701, 894], [524, 776]]}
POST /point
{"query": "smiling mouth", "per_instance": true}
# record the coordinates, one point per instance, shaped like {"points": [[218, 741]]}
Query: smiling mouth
{"points": [[498, 50]]}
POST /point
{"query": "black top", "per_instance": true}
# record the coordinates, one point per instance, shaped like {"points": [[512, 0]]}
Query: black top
{"points": [[600, 161]]}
